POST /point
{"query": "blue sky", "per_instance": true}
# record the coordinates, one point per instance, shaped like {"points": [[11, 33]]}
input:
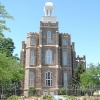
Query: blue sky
{"points": [[80, 18]]}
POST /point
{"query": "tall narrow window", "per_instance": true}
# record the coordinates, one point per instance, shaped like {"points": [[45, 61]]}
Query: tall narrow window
{"points": [[50, 12], [32, 58], [48, 37], [48, 57], [64, 58], [47, 12], [31, 79], [65, 79], [48, 78], [64, 42], [32, 41]]}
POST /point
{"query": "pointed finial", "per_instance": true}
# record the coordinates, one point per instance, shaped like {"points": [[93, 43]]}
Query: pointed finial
{"points": [[48, 0]]}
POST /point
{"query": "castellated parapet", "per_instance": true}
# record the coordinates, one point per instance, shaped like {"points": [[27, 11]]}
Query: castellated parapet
{"points": [[64, 34], [48, 24], [32, 34], [81, 60]]}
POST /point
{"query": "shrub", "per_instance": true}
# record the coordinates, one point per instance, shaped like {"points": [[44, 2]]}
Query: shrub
{"points": [[48, 97], [63, 91], [32, 90], [14, 97]]}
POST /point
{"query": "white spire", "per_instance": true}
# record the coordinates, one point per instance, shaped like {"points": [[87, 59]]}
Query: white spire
{"points": [[48, 9]]}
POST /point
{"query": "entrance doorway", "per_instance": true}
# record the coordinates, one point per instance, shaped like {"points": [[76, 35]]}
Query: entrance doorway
{"points": [[51, 92], [45, 92]]}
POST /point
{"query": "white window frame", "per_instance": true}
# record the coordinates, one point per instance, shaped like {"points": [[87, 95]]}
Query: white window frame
{"points": [[48, 79], [31, 79], [64, 58], [65, 79], [48, 57], [64, 42], [32, 58], [49, 37], [32, 41]]}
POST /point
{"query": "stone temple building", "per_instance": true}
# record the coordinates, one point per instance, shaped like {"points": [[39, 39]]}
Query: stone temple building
{"points": [[48, 56]]}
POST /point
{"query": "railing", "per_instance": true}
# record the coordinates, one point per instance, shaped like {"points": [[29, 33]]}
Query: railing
{"points": [[8, 89]]}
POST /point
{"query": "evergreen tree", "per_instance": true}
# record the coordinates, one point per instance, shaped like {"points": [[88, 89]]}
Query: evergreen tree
{"points": [[76, 77]]}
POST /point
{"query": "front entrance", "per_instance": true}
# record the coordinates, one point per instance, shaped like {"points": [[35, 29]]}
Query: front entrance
{"points": [[51, 92], [45, 92]]}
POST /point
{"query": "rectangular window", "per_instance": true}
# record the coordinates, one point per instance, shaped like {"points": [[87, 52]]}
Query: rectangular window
{"points": [[64, 58], [48, 37], [50, 12], [48, 79], [32, 41], [64, 42], [65, 79], [47, 12], [32, 58]]}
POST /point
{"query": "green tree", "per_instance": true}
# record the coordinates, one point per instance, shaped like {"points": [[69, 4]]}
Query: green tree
{"points": [[76, 77], [63, 91], [7, 46], [10, 69], [91, 76], [3, 15]]}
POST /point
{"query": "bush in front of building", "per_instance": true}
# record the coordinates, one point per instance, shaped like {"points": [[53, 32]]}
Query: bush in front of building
{"points": [[63, 91], [32, 91], [48, 97], [13, 97]]}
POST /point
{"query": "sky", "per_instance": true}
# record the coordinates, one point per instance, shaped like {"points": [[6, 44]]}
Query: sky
{"points": [[80, 18]]}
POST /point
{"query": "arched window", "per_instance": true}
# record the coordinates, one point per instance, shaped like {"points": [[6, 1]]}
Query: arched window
{"points": [[48, 57], [32, 58], [65, 79], [31, 79], [48, 78], [48, 37], [32, 41], [64, 58]]}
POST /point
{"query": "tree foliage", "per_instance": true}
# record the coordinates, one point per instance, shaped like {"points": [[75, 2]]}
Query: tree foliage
{"points": [[13, 97], [63, 91], [10, 67], [92, 75], [79, 70], [3, 15], [32, 90]]}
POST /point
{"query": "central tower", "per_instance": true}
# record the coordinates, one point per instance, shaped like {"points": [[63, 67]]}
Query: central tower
{"points": [[49, 51]]}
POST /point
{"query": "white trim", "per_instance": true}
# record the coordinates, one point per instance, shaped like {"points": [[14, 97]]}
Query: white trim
{"points": [[51, 45], [40, 45]]}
